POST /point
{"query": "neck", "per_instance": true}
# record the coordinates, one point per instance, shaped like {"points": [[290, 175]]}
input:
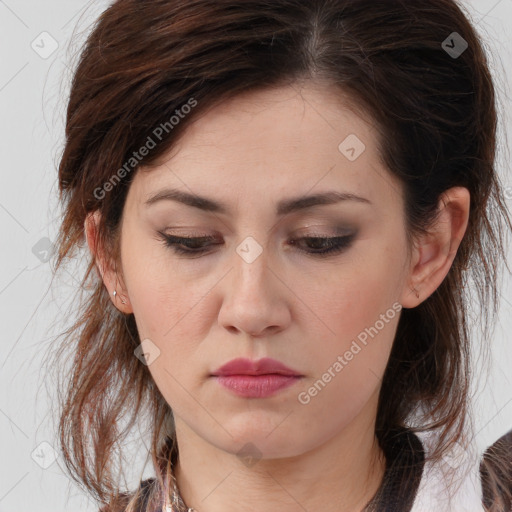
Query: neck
{"points": [[339, 475]]}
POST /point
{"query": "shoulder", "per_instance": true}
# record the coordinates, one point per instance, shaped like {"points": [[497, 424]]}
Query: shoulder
{"points": [[452, 483], [126, 497], [468, 480], [496, 473]]}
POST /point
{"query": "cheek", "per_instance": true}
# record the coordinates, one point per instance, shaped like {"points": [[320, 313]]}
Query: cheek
{"points": [[159, 298], [356, 298], [176, 316], [349, 365], [166, 313], [359, 313]]}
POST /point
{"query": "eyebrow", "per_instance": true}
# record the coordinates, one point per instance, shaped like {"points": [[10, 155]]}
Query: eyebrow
{"points": [[284, 207]]}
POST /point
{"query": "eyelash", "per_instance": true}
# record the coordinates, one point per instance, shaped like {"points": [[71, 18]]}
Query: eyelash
{"points": [[335, 244]]}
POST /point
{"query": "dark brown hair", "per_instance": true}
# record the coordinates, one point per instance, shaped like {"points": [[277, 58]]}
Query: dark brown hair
{"points": [[436, 115]]}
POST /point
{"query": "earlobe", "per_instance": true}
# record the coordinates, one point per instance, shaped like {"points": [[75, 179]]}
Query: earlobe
{"points": [[434, 252]]}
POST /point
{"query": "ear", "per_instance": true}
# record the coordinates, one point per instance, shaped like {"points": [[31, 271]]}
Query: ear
{"points": [[111, 279], [433, 254]]}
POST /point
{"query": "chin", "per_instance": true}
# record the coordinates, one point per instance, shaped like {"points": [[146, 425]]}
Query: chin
{"points": [[267, 442]]}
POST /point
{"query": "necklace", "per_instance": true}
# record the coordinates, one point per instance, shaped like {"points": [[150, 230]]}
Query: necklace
{"points": [[177, 504]]}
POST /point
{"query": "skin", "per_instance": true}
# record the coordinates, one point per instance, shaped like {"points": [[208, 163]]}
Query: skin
{"points": [[304, 310]]}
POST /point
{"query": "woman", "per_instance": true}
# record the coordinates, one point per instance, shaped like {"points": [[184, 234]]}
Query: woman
{"points": [[283, 202]]}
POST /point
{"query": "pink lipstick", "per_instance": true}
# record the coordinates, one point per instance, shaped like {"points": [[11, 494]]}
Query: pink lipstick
{"points": [[256, 379]]}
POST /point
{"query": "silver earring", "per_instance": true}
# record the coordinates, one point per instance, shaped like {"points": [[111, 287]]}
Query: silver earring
{"points": [[114, 293]]}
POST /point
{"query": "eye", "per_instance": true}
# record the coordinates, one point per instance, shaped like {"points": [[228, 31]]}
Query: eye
{"points": [[315, 245], [325, 245], [187, 245]]}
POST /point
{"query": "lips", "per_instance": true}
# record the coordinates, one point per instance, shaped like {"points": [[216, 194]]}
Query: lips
{"points": [[265, 366], [256, 386]]}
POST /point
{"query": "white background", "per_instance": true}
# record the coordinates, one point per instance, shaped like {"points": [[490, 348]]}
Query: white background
{"points": [[33, 91]]}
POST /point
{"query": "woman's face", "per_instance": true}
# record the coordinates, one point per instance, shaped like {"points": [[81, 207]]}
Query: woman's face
{"points": [[261, 289]]}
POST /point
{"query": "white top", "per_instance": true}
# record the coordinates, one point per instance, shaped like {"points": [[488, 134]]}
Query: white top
{"points": [[453, 485]]}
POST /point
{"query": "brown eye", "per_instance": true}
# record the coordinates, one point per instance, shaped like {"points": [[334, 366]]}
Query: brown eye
{"points": [[187, 245], [322, 245]]}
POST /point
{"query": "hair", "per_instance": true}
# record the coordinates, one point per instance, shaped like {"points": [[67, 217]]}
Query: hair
{"points": [[436, 119]]}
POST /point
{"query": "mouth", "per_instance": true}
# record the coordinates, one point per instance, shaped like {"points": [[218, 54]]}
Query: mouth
{"points": [[256, 379]]}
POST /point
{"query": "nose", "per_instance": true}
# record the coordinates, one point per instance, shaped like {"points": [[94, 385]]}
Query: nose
{"points": [[255, 298]]}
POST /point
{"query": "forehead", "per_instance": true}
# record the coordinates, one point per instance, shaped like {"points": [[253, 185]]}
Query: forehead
{"points": [[268, 144]]}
